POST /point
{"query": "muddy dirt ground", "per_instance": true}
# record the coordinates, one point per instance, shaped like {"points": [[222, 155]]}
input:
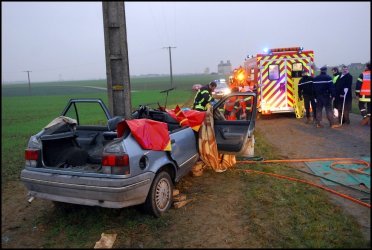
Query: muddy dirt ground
{"points": [[205, 227]]}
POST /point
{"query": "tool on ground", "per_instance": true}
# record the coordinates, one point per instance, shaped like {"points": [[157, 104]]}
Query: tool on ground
{"points": [[343, 104], [335, 110]]}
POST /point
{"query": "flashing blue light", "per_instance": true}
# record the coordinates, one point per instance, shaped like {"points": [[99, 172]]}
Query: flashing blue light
{"points": [[266, 50]]}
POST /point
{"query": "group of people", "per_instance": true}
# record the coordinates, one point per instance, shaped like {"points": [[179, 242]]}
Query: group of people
{"points": [[335, 92], [320, 92]]}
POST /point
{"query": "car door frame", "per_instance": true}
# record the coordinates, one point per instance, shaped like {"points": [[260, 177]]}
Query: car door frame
{"points": [[233, 137]]}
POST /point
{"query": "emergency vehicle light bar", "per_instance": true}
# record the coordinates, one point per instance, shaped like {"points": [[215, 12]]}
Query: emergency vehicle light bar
{"points": [[286, 49]]}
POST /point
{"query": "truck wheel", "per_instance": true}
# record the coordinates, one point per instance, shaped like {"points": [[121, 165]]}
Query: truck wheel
{"points": [[159, 198]]}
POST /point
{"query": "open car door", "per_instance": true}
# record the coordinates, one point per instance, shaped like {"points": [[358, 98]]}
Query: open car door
{"points": [[234, 121]]}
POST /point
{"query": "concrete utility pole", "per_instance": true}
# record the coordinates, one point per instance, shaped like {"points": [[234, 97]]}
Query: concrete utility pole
{"points": [[29, 83], [170, 62], [117, 65]]}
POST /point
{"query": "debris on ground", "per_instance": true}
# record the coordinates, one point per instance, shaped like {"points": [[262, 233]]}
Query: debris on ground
{"points": [[197, 169], [106, 241], [180, 204], [179, 197], [175, 192], [179, 200]]}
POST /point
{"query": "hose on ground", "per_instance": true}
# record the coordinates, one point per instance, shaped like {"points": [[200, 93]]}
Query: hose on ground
{"points": [[308, 182], [337, 161]]}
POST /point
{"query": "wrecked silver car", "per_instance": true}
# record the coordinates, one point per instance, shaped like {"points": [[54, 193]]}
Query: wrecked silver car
{"points": [[85, 156]]}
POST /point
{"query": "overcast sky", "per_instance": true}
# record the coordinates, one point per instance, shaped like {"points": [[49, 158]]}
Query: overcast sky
{"points": [[65, 40]]}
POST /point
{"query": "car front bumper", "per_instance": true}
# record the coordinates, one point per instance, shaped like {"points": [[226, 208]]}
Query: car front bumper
{"points": [[91, 191]]}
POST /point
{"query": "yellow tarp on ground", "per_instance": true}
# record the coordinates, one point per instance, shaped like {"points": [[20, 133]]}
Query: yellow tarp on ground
{"points": [[208, 146]]}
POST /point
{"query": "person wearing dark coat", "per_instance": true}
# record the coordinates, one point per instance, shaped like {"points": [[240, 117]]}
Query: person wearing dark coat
{"points": [[324, 94], [343, 85], [335, 77], [306, 92], [204, 96]]}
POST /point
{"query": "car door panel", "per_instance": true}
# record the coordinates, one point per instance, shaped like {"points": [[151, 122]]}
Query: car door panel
{"points": [[233, 135], [184, 146]]}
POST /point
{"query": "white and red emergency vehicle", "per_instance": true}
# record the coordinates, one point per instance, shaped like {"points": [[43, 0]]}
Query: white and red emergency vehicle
{"points": [[277, 72]]}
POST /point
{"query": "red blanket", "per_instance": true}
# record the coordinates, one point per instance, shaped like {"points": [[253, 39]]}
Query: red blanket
{"points": [[149, 134], [191, 118]]}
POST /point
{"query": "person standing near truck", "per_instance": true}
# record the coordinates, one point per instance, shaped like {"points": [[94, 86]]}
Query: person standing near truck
{"points": [[324, 93], [343, 97], [363, 93], [306, 92], [336, 74], [204, 96]]}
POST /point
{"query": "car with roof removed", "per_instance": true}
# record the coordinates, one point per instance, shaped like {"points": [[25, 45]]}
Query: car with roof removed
{"points": [[85, 156]]}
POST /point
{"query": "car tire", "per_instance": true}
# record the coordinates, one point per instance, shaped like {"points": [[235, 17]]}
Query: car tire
{"points": [[160, 196]]}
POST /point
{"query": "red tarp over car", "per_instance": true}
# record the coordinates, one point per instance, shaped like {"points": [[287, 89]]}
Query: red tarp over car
{"points": [[191, 118], [148, 133]]}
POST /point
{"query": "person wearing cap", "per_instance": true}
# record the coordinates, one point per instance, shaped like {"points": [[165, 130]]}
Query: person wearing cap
{"points": [[363, 93], [324, 94], [343, 98], [204, 96], [306, 92]]}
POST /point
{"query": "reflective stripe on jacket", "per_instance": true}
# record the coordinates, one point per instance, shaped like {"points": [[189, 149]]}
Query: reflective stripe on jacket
{"points": [[323, 85], [335, 77], [202, 98], [363, 86], [366, 84], [230, 103]]}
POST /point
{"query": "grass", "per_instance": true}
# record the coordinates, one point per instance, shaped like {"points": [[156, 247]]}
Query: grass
{"points": [[288, 214], [66, 228], [279, 213]]}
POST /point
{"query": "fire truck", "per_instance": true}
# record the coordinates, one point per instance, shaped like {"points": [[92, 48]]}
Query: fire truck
{"points": [[276, 73]]}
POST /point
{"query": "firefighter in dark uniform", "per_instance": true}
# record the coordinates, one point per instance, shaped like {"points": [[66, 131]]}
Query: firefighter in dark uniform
{"points": [[204, 96], [363, 92], [306, 92], [324, 94]]}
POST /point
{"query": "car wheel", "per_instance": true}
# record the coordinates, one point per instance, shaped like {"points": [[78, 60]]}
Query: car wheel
{"points": [[159, 198]]}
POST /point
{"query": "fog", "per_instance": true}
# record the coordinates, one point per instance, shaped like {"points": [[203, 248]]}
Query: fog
{"points": [[65, 41]]}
